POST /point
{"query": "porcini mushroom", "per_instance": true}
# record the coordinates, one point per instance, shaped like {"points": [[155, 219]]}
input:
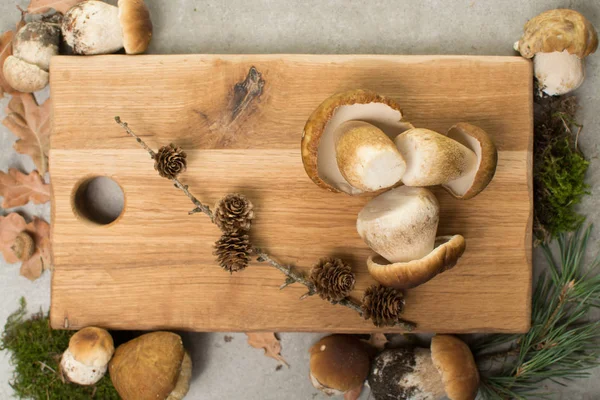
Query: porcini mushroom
{"points": [[558, 41], [154, 366], [86, 360], [447, 369], [95, 27], [338, 364], [401, 226], [432, 158], [474, 181], [323, 126]]}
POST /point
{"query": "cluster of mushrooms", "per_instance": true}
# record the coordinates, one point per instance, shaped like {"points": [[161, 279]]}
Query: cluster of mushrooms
{"points": [[154, 366], [342, 363], [88, 28], [357, 142]]}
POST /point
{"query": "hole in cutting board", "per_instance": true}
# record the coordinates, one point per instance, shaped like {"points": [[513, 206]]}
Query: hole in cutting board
{"points": [[99, 200]]}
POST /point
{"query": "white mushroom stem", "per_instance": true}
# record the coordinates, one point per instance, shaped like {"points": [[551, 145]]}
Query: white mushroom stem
{"points": [[80, 373], [558, 73], [23, 76], [367, 157]]}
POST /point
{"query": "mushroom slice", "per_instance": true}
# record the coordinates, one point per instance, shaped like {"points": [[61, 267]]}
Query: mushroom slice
{"points": [[477, 179], [23, 76], [432, 158], [455, 363], [406, 275], [318, 140]]}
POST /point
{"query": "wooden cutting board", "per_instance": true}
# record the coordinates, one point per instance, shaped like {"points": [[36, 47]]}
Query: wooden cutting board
{"points": [[153, 268]]}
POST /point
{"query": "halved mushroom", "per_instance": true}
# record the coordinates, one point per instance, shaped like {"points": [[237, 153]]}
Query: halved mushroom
{"points": [[409, 274], [447, 369], [318, 140], [478, 178], [558, 41], [432, 158]]}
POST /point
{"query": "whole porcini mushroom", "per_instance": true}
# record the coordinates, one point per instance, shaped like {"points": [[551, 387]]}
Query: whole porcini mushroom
{"points": [[558, 41], [446, 370], [26, 70], [86, 360], [325, 136], [401, 226], [95, 27], [338, 364], [154, 366]]}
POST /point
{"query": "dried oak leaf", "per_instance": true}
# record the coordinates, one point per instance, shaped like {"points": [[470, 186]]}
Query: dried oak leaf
{"points": [[43, 6], [269, 342], [353, 394], [18, 188], [10, 227], [31, 123]]}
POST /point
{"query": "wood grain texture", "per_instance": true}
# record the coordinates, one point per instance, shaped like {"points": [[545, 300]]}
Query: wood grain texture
{"points": [[153, 268]]}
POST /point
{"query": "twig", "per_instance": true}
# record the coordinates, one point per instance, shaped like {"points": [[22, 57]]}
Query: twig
{"points": [[292, 276]]}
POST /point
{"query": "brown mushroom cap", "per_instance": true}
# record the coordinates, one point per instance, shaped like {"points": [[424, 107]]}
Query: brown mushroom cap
{"points": [[454, 360], [558, 30], [147, 367], [476, 139], [92, 346], [339, 363], [137, 25], [406, 275], [318, 145]]}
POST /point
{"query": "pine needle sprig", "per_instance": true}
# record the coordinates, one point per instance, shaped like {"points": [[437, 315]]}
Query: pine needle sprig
{"points": [[562, 344]]}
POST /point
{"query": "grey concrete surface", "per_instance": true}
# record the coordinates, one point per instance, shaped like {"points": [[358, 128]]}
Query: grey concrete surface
{"points": [[232, 370]]}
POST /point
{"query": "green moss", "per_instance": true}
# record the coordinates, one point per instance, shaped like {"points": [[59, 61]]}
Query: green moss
{"points": [[35, 351]]}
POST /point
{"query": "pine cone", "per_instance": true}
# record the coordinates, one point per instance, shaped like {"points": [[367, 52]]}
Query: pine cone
{"points": [[383, 305], [234, 213], [170, 161], [24, 246], [233, 251], [333, 279]]}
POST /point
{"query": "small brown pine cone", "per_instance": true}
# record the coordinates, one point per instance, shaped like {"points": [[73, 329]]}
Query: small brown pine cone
{"points": [[24, 246], [382, 305], [170, 161], [233, 251], [234, 213], [333, 279]]}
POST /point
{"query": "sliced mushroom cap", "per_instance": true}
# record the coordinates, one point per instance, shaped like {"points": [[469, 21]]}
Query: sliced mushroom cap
{"points": [[367, 157], [23, 76], [410, 274], [86, 360], [478, 178], [454, 361], [558, 30], [400, 224], [318, 139], [36, 43], [432, 158], [136, 24], [338, 363]]}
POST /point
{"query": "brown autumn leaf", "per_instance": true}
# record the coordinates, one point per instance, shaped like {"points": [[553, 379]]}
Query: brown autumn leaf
{"points": [[269, 342], [18, 188], [377, 340], [43, 6], [353, 394], [31, 123]]}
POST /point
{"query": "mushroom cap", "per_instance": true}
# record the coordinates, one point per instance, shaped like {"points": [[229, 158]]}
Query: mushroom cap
{"points": [[182, 386], [432, 158], [23, 76], [558, 73], [92, 346], [36, 43], [478, 141], [406, 275], [367, 157], [339, 363], [400, 224], [79, 373], [92, 27], [147, 367], [558, 30], [136, 24], [318, 144], [454, 360]]}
